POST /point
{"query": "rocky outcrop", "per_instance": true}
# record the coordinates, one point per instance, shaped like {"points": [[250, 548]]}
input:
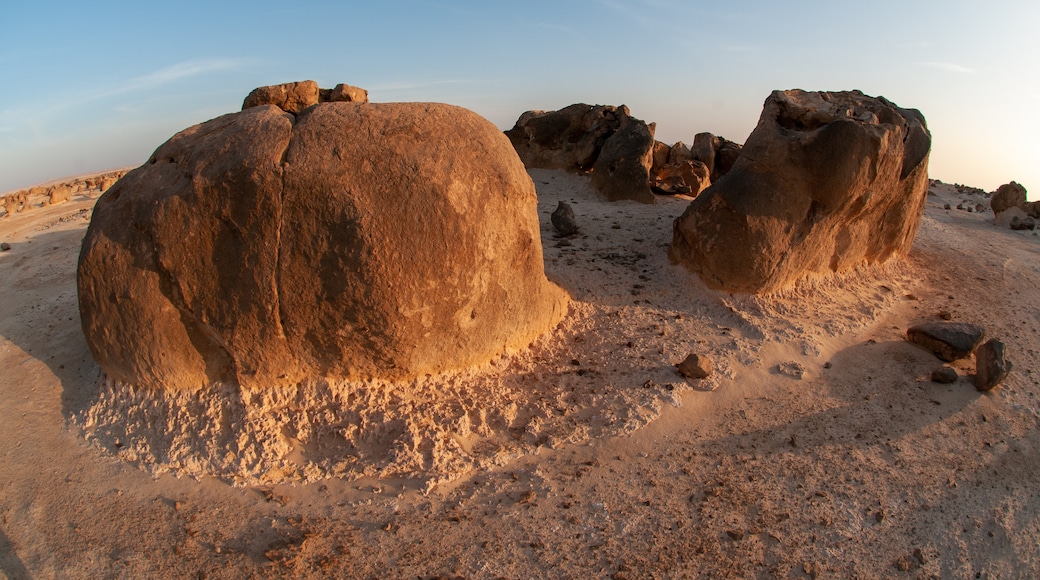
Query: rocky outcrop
{"points": [[295, 97], [570, 138], [349, 241], [826, 182], [617, 148]]}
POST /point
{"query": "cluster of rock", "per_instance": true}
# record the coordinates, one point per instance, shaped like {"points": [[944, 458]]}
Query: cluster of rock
{"points": [[295, 97], [952, 341], [27, 199], [826, 182], [336, 239], [1011, 208], [620, 152]]}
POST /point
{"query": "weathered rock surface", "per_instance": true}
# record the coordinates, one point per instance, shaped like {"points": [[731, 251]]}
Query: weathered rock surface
{"points": [[353, 241], [622, 169], [563, 220], [947, 340], [1008, 196], [825, 183], [991, 365]]}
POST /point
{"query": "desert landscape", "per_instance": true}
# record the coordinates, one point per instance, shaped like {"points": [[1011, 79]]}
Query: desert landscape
{"points": [[818, 444]]}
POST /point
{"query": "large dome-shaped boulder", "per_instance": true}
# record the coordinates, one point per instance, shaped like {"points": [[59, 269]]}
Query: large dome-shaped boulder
{"points": [[353, 241], [825, 182]]}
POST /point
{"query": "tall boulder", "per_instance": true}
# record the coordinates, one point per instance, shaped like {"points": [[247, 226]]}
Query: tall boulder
{"points": [[622, 170], [827, 181], [350, 241]]}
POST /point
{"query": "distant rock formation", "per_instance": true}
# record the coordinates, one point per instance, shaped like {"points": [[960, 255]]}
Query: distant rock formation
{"points": [[263, 248], [27, 199], [619, 151], [826, 182]]}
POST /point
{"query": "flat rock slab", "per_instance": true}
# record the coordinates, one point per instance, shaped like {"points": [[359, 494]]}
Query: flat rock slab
{"points": [[947, 340]]}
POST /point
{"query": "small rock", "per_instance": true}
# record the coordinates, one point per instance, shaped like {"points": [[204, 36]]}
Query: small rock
{"points": [[945, 315], [735, 535], [944, 375], [979, 208], [563, 220], [947, 340], [947, 206], [5, 247], [696, 366], [791, 369], [991, 365], [920, 556]]}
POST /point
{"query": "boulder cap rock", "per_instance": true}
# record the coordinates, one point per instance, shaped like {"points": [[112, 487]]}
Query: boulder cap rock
{"points": [[351, 241], [949, 341], [825, 183], [289, 97]]}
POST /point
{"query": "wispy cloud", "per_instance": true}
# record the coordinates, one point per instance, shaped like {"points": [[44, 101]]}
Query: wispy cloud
{"points": [[948, 67], [176, 72]]}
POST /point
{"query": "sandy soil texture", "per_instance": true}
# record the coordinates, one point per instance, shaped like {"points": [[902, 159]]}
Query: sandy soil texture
{"points": [[820, 448]]}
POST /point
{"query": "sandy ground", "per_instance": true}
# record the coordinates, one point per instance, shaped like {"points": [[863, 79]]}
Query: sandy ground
{"points": [[819, 449]]}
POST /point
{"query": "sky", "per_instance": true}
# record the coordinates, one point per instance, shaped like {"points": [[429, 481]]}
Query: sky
{"points": [[90, 86]]}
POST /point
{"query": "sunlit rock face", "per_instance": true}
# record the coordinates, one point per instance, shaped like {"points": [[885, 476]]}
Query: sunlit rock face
{"points": [[826, 182], [350, 240]]}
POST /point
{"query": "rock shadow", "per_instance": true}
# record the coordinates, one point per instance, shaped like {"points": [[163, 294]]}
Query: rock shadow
{"points": [[39, 312]]}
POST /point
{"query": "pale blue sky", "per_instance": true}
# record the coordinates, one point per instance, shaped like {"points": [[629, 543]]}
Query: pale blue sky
{"points": [[91, 86]]}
